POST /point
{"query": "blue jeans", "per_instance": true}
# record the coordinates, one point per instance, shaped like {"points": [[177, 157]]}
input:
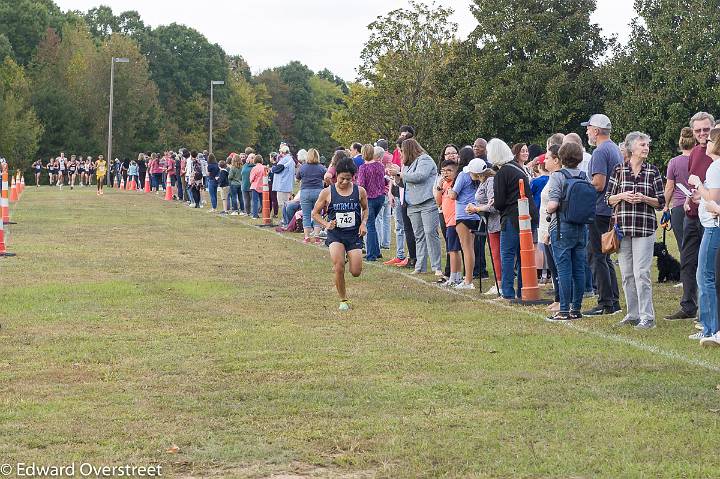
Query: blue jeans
{"points": [[256, 202], [570, 255], [289, 210], [399, 230], [308, 198], [510, 260], [706, 277], [235, 195], [382, 224], [212, 189], [589, 283], [157, 181], [373, 245]]}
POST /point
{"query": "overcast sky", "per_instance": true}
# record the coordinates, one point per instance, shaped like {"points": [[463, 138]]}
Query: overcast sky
{"points": [[319, 33]]}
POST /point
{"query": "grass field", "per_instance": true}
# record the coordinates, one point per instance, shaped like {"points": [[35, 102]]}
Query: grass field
{"points": [[130, 325]]}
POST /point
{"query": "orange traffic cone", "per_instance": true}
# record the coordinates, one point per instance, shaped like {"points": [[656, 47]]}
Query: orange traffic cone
{"points": [[13, 192], [4, 202], [530, 289], [147, 182], [122, 183], [3, 251], [22, 183], [168, 189], [133, 185]]}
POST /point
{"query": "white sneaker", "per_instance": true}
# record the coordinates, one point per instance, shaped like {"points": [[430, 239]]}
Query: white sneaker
{"points": [[463, 285], [712, 342], [696, 336], [212, 210], [234, 213], [492, 291], [449, 284]]}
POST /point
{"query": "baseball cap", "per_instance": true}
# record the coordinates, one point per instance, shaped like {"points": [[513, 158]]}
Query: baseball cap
{"points": [[476, 165], [598, 120], [540, 160]]}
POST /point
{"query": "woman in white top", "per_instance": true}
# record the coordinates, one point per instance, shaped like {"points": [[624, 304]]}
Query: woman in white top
{"points": [[710, 244]]}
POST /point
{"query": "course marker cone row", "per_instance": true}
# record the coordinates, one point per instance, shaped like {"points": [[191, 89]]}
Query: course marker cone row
{"points": [[4, 201], [13, 192]]}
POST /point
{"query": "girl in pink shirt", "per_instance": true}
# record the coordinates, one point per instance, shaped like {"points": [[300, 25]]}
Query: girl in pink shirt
{"points": [[256, 184]]}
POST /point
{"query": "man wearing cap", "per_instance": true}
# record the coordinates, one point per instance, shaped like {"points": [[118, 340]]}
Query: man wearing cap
{"points": [[604, 159]]}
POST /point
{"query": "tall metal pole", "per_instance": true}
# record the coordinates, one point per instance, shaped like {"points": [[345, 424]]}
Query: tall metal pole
{"points": [[113, 60], [110, 118], [212, 84], [211, 116]]}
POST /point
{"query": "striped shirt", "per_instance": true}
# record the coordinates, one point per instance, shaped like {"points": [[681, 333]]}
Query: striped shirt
{"points": [[639, 219]]}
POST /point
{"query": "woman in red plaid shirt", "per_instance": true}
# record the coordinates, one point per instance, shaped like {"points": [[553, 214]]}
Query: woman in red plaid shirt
{"points": [[635, 192]]}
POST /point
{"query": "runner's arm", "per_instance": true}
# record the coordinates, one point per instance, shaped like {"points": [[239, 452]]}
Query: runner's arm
{"points": [[321, 204], [365, 211]]}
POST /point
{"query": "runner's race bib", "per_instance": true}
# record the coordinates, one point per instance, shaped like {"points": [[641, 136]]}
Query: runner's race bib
{"points": [[345, 220]]}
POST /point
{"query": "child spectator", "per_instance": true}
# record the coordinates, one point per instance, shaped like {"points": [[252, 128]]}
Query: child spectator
{"points": [[223, 185], [256, 185], [448, 170]]}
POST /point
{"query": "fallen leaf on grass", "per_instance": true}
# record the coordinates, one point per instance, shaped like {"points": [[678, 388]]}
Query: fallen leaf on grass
{"points": [[173, 449]]}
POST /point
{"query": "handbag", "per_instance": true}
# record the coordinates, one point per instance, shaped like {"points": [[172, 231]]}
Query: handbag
{"points": [[609, 242]]}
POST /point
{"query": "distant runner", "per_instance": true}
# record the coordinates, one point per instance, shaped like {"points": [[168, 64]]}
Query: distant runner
{"points": [[100, 171]]}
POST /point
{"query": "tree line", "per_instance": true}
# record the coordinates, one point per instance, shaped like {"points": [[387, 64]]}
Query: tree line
{"points": [[530, 68]]}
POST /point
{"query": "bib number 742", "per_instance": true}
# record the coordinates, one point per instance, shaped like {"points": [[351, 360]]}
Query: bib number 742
{"points": [[345, 220]]}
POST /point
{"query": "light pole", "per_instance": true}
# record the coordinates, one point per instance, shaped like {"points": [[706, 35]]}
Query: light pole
{"points": [[113, 61], [212, 84]]}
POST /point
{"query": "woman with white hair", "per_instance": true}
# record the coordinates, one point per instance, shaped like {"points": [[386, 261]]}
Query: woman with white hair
{"points": [[635, 192], [506, 192], [283, 176]]}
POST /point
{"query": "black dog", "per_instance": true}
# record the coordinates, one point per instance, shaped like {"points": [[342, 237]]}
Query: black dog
{"points": [[668, 267]]}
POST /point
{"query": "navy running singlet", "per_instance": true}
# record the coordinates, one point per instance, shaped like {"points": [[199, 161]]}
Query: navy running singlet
{"points": [[345, 210]]}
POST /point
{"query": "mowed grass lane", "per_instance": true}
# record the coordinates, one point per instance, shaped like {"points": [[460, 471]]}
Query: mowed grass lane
{"points": [[130, 325]]}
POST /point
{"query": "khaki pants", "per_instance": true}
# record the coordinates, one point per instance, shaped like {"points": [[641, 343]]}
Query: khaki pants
{"points": [[224, 193]]}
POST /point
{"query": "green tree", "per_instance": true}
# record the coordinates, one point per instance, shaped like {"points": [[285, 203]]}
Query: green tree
{"points": [[20, 128], [400, 62], [61, 108], [72, 78], [533, 65], [243, 116], [183, 62], [24, 22], [304, 103], [666, 73]]}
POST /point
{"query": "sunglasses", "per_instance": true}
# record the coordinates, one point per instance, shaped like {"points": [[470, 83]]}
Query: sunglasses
{"points": [[702, 130]]}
